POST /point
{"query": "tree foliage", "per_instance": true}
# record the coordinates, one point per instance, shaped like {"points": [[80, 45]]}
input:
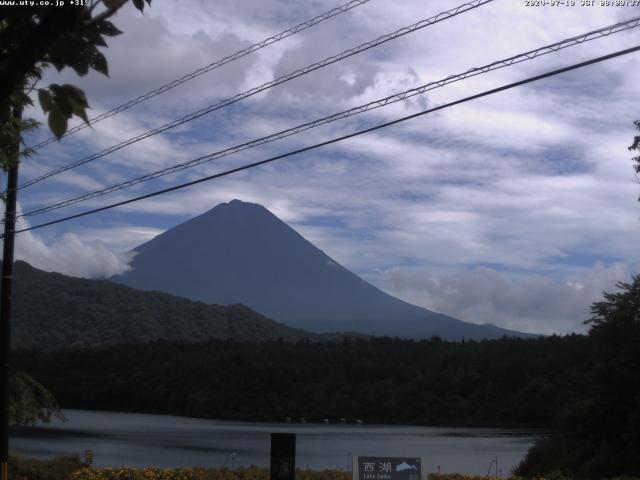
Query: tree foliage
{"points": [[33, 38], [635, 146], [37, 37], [599, 433], [508, 382], [30, 401], [58, 468]]}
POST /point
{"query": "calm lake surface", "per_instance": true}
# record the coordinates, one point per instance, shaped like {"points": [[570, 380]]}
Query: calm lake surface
{"points": [[167, 441]]}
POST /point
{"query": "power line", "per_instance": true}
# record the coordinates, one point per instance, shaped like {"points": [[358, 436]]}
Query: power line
{"points": [[530, 55], [265, 86], [212, 66], [338, 139]]}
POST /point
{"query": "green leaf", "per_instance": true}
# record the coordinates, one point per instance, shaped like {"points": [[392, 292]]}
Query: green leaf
{"points": [[57, 122], [70, 100], [80, 60], [61, 102], [94, 37], [79, 110], [59, 64], [107, 28], [28, 125], [63, 51], [111, 3], [55, 88], [44, 97], [25, 99], [5, 114], [75, 94], [98, 62]]}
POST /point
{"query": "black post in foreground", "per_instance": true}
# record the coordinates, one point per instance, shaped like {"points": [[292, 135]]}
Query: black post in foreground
{"points": [[283, 456], [5, 302]]}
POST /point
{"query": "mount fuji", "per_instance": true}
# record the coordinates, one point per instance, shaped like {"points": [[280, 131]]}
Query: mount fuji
{"points": [[240, 252]]}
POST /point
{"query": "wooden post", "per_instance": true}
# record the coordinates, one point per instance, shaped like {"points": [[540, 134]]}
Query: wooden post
{"points": [[283, 456]]}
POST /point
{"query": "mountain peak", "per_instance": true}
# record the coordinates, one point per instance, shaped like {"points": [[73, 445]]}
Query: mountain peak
{"points": [[238, 204], [237, 208]]}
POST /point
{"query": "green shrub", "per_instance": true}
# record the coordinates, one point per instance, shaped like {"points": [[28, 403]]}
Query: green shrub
{"points": [[60, 468]]}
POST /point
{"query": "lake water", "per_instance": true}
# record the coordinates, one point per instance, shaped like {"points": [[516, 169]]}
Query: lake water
{"points": [[168, 441]]}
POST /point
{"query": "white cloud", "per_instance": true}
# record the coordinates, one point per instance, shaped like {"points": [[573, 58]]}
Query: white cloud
{"points": [[69, 254], [152, 52], [525, 302]]}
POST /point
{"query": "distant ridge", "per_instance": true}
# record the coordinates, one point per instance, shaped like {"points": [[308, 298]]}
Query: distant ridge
{"points": [[239, 252]]}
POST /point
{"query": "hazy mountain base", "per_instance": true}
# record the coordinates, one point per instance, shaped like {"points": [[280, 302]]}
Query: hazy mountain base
{"points": [[507, 382]]}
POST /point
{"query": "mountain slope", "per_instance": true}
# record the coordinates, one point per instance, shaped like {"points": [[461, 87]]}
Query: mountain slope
{"points": [[240, 252], [54, 311]]}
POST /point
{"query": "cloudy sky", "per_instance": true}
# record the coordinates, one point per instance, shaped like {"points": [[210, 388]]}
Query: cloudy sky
{"points": [[517, 209]]}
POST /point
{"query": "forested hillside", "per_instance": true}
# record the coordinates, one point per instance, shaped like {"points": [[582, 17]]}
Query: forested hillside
{"points": [[54, 311], [515, 382]]}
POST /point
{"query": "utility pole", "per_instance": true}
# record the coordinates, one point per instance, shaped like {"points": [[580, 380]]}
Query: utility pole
{"points": [[6, 295]]}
